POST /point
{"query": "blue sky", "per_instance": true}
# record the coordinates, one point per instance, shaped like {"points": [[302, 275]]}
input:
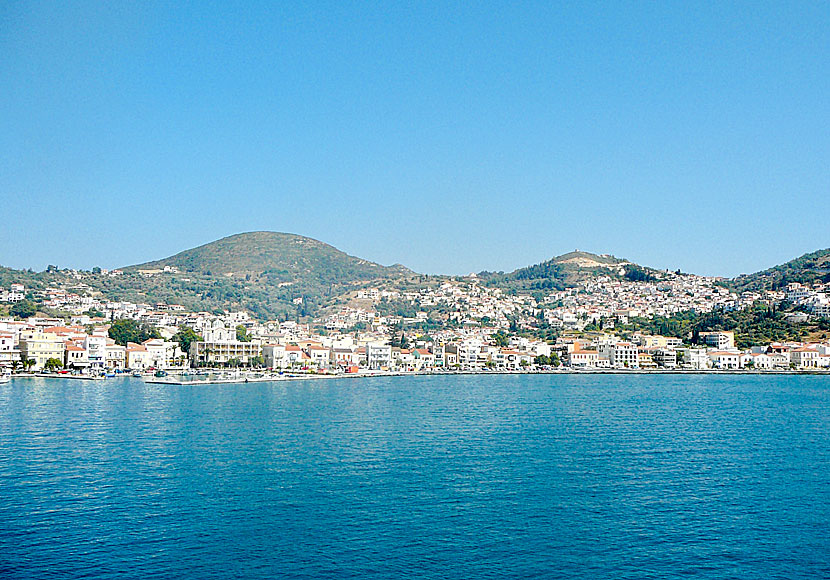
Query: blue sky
{"points": [[450, 137]]}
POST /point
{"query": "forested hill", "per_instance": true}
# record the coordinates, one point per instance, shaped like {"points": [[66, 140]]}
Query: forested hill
{"points": [[287, 257], [566, 271], [271, 274], [805, 269]]}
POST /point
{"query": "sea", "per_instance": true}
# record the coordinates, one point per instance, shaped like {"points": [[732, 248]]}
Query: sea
{"points": [[474, 476]]}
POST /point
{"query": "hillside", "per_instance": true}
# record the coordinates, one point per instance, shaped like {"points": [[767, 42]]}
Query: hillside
{"points": [[805, 269], [278, 275], [287, 257], [271, 274], [566, 271]]}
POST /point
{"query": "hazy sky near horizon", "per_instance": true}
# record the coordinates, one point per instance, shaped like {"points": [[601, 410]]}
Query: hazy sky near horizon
{"points": [[450, 137]]}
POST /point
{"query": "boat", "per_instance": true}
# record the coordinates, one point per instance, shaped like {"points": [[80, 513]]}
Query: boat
{"points": [[5, 379], [161, 373], [136, 373]]}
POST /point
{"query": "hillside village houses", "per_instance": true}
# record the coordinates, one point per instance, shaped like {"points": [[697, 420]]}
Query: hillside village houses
{"points": [[357, 336], [15, 293]]}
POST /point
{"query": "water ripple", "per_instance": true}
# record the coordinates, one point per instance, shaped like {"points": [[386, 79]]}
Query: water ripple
{"points": [[418, 477]]}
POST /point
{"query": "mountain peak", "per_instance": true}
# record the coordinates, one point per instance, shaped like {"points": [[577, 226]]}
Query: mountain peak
{"points": [[277, 253], [588, 260]]}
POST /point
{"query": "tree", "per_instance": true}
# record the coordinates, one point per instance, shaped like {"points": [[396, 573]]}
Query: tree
{"points": [[637, 274], [358, 327], [23, 309], [393, 334], [554, 359], [186, 336], [127, 330], [501, 338], [208, 352], [52, 364], [394, 341], [256, 361], [242, 334], [28, 363]]}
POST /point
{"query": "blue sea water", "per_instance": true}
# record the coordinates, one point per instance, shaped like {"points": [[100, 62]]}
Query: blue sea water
{"points": [[567, 476]]}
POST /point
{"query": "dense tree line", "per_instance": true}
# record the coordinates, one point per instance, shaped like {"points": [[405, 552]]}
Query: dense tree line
{"points": [[760, 324], [127, 330], [185, 337], [637, 274], [23, 309]]}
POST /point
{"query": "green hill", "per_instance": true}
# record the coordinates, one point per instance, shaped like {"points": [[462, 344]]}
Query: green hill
{"points": [[279, 256], [805, 269], [271, 274], [566, 271]]}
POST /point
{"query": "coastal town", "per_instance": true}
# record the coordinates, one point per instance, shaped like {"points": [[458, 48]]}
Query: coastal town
{"points": [[456, 325]]}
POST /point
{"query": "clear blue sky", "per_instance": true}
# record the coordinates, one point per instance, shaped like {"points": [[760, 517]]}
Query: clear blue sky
{"points": [[450, 137]]}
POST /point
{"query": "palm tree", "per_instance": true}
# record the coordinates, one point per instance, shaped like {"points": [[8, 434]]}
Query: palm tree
{"points": [[28, 363], [208, 351]]}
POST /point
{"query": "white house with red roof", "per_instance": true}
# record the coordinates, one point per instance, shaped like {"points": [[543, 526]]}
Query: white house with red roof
{"points": [[582, 358], [423, 358], [345, 357], [294, 355], [75, 355], [403, 357], [9, 353], [319, 355], [756, 360], [138, 357], [116, 355]]}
